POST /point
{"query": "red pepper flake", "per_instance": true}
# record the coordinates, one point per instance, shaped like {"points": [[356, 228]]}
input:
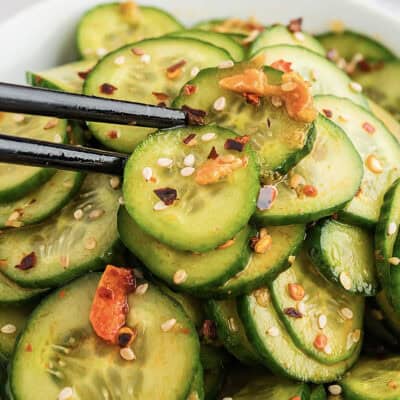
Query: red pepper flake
{"points": [[369, 128], [188, 90], [310, 191], [189, 138], [84, 74], [320, 341], [184, 331], [62, 293], [177, 66], [107, 88], [266, 197], [137, 52], [364, 66], [213, 154], [282, 65], [194, 116], [28, 348], [112, 134], [292, 312], [162, 104], [209, 329], [359, 192], [252, 99], [328, 113], [38, 79], [234, 144], [295, 25], [166, 195], [27, 262], [160, 96], [268, 123]]}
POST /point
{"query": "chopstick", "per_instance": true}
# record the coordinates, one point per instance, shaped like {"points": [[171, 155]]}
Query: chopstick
{"points": [[24, 151], [52, 103]]}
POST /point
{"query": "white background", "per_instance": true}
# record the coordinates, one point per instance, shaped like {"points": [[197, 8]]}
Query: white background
{"points": [[8, 8]]}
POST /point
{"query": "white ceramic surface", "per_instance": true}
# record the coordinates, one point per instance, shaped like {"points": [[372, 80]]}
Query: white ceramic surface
{"points": [[42, 35]]}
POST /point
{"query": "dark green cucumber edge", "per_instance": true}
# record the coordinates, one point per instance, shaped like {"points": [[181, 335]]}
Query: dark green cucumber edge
{"points": [[32, 79]]}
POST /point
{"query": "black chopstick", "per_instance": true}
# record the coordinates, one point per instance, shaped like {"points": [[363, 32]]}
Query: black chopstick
{"points": [[17, 150], [52, 103]]}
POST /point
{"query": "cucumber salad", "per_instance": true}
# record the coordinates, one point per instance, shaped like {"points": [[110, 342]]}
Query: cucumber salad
{"points": [[255, 256]]}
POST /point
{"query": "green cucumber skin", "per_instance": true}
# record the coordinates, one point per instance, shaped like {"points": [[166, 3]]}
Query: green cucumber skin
{"points": [[318, 393]]}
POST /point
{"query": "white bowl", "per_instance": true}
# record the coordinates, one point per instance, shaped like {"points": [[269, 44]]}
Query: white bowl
{"points": [[42, 35]]}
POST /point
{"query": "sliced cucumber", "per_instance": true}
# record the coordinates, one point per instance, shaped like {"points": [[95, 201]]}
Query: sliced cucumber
{"points": [[214, 25], [12, 293], [331, 313], [348, 43], [230, 330], [390, 315], [324, 173], [280, 141], [213, 359], [275, 346], [270, 387], [326, 78], [280, 34], [373, 142], [68, 77], [16, 180], [203, 271], [373, 379], [388, 120], [385, 238], [109, 26], [65, 352], [264, 268], [339, 250], [203, 216], [382, 86], [318, 393], [144, 78], [70, 243], [217, 39]]}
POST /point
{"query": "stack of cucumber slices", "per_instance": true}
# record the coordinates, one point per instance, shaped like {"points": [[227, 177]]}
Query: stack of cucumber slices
{"points": [[265, 247]]}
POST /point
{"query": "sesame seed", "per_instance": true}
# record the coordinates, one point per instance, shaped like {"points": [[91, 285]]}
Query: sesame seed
{"points": [[346, 313], [165, 162], [8, 329], [356, 335], [322, 321], [18, 117], [220, 103], [168, 325], [291, 259], [145, 58], [187, 171], [208, 136], [344, 118], [66, 393], [95, 214], [121, 200], [78, 214], [180, 276], [328, 349], [345, 280], [194, 72], [232, 324], [58, 138], [159, 206], [301, 307], [273, 331], [299, 36], [226, 64], [355, 87], [189, 160], [392, 228], [127, 354], [90, 243], [276, 101], [394, 260], [147, 173], [101, 51], [142, 289], [373, 164], [335, 390], [115, 182], [119, 60]]}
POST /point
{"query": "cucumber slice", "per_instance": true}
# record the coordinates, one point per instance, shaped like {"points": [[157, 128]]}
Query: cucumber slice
{"points": [[280, 141], [270, 387], [339, 250], [70, 243], [12, 293], [16, 180], [109, 26], [280, 34], [326, 77], [382, 86], [373, 379], [12, 322], [240, 32], [208, 214], [230, 330], [318, 393], [263, 268], [388, 120], [212, 359], [390, 315], [217, 39], [325, 169], [65, 352], [68, 77], [385, 238], [372, 141], [348, 43], [275, 346], [145, 79], [202, 270], [330, 312]]}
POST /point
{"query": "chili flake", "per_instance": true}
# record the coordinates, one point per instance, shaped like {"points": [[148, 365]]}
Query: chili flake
{"points": [[84, 74], [160, 96], [137, 52], [234, 144], [166, 195], [209, 329], [320, 341], [188, 90], [295, 25], [292, 312], [369, 128], [107, 88], [194, 116], [113, 134], [252, 99], [27, 262], [328, 113], [282, 65], [296, 291], [175, 70], [188, 139], [310, 191], [213, 154]]}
